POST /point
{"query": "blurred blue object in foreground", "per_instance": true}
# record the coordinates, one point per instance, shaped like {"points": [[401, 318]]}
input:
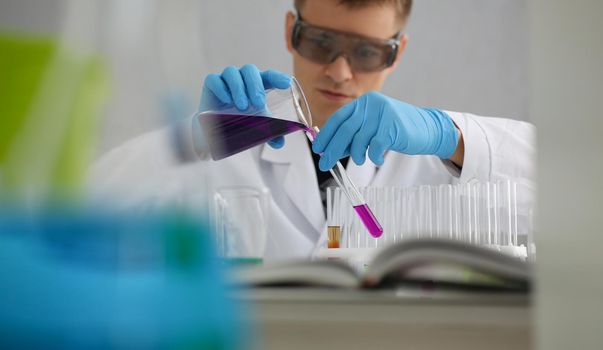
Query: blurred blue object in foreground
{"points": [[82, 279]]}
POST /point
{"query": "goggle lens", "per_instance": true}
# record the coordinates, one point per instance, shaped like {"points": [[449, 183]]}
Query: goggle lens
{"points": [[324, 46]]}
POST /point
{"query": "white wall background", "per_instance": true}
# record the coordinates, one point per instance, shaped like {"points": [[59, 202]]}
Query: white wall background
{"points": [[463, 55], [466, 55], [567, 74]]}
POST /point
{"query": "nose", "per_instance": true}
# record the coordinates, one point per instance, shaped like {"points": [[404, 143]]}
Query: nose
{"points": [[339, 70]]}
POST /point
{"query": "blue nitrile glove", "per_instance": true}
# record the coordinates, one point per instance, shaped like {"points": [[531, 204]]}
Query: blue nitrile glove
{"points": [[239, 87], [381, 123]]}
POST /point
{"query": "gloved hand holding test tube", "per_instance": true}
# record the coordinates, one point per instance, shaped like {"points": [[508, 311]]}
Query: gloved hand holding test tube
{"points": [[339, 174], [356, 200]]}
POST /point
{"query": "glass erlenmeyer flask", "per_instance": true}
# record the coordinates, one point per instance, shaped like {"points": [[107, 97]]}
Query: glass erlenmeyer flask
{"points": [[229, 131]]}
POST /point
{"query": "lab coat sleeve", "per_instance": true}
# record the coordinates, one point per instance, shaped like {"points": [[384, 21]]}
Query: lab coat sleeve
{"points": [[496, 149], [152, 166], [140, 166]]}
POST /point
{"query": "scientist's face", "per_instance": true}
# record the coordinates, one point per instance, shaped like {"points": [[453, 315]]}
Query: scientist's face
{"points": [[329, 82]]}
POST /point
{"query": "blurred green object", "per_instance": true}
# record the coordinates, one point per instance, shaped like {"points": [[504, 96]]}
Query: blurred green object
{"points": [[50, 99], [22, 64]]}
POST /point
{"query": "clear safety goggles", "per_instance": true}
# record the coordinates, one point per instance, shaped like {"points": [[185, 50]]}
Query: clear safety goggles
{"points": [[324, 46]]}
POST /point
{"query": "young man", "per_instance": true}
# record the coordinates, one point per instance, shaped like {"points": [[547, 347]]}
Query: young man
{"points": [[343, 50]]}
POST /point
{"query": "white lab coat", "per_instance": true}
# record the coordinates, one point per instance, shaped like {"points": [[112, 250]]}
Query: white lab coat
{"points": [[494, 149]]}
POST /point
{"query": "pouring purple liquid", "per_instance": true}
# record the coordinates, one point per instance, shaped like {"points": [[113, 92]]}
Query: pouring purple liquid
{"points": [[229, 134]]}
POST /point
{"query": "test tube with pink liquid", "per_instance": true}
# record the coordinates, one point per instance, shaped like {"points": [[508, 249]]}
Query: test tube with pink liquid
{"points": [[354, 197], [338, 171]]}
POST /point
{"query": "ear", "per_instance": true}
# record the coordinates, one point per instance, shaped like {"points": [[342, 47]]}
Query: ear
{"points": [[289, 22], [401, 48]]}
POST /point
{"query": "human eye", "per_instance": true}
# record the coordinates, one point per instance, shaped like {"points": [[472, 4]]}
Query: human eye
{"points": [[367, 51], [322, 40]]}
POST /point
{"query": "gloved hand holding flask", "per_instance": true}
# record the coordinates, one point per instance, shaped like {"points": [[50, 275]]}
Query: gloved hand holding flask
{"points": [[242, 88]]}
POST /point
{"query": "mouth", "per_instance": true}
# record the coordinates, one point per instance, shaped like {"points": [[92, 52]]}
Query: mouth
{"points": [[334, 96]]}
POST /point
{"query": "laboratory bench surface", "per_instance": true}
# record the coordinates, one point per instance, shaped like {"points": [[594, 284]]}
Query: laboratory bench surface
{"points": [[310, 318]]}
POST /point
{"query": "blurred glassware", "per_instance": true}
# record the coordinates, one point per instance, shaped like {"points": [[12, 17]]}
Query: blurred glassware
{"points": [[51, 97], [240, 219], [89, 278]]}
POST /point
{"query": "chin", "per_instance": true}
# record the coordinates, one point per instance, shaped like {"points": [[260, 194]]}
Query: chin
{"points": [[333, 107], [323, 108]]}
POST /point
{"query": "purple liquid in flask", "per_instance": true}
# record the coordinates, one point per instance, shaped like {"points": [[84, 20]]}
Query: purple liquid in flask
{"points": [[228, 134]]}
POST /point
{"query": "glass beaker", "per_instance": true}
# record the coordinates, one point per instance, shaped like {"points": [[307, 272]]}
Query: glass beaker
{"points": [[240, 219], [229, 130]]}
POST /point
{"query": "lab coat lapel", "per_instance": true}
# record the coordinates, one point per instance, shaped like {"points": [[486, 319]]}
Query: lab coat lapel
{"points": [[300, 182]]}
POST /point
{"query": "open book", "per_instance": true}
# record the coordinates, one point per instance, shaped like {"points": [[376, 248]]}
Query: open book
{"points": [[423, 262]]}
